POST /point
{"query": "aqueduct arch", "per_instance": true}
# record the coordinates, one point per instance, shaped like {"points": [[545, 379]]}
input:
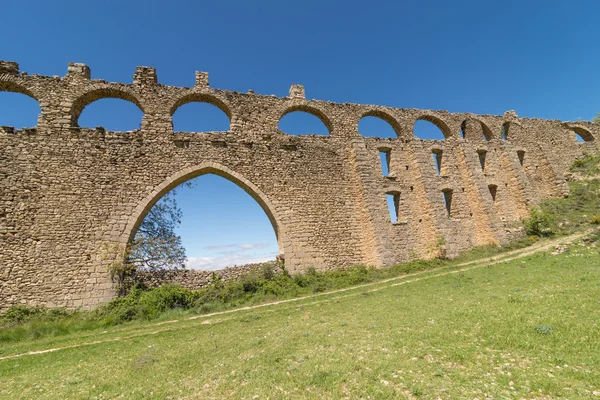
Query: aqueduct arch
{"points": [[188, 173], [66, 192]]}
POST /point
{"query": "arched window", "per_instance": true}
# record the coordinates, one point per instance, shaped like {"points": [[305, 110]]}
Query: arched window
{"points": [[582, 135], [474, 129], [18, 110], [377, 126], [429, 128], [221, 226], [200, 117], [112, 114], [300, 122]]}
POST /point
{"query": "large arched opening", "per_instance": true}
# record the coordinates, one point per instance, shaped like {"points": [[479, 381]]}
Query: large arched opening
{"points": [[431, 128], [302, 120], [474, 129], [199, 112], [19, 109], [379, 124], [111, 109], [112, 114], [226, 220], [200, 117]]}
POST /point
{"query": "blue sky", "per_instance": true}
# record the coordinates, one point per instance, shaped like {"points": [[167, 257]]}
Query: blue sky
{"points": [[539, 58]]}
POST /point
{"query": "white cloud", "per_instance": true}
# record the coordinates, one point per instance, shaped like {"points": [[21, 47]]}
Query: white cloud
{"points": [[221, 256], [219, 247], [245, 246], [254, 245]]}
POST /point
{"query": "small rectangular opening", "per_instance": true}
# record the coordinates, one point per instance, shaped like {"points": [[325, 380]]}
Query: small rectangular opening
{"points": [[448, 201], [384, 157], [437, 159], [482, 154], [493, 189], [393, 202], [521, 155], [504, 131]]}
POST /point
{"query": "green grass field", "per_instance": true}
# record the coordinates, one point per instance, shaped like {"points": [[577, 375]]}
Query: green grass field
{"points": [[527, 328]]}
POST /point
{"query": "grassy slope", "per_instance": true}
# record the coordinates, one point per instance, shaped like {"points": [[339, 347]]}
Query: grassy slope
{"points": [[526, 328]]}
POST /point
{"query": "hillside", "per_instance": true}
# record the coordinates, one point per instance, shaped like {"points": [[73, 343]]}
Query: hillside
{"points": [[520, 328]]}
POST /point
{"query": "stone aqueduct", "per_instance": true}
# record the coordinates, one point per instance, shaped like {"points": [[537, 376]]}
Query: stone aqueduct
{"points": [[68, 193]]}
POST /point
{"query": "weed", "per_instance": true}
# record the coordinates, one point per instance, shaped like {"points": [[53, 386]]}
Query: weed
{"points": [[543, 329]]}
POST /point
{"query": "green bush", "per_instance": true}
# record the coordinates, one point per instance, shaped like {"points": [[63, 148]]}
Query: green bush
{"points": [[540, 223], [142, 303], [20, 313]]}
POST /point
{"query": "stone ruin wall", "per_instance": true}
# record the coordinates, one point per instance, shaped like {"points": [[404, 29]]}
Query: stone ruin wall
{"points": [[71, 196], [197, 279]]}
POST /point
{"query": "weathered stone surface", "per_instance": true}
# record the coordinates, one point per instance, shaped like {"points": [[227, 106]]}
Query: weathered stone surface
{"points": [[70, 195], [196, 279]]}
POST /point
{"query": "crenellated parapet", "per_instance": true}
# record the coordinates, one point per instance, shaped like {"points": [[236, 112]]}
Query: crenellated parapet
{"points": [[63, 99]]}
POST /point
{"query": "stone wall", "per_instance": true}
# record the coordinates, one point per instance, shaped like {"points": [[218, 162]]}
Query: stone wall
{"points": [[70, 196], [196, 279]]}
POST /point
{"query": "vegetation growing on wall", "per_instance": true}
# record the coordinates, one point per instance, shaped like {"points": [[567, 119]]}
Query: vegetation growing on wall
{"points": [[579, 210]]}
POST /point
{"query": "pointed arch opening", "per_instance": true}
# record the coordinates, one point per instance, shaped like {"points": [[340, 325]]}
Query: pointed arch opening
{"points": [[107, 107], [18, 109], [225, 220], [431, 128], [302, 120], [378, 124]]}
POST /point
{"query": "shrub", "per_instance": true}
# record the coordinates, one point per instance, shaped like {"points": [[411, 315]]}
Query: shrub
{"points": [[152, 303], [541, 223], [21, 313], [143, 303], [595, 220]]}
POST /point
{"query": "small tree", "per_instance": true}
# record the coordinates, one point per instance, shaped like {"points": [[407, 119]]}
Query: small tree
{"points": [[540, 223], [596, 119], [155, 245]]}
